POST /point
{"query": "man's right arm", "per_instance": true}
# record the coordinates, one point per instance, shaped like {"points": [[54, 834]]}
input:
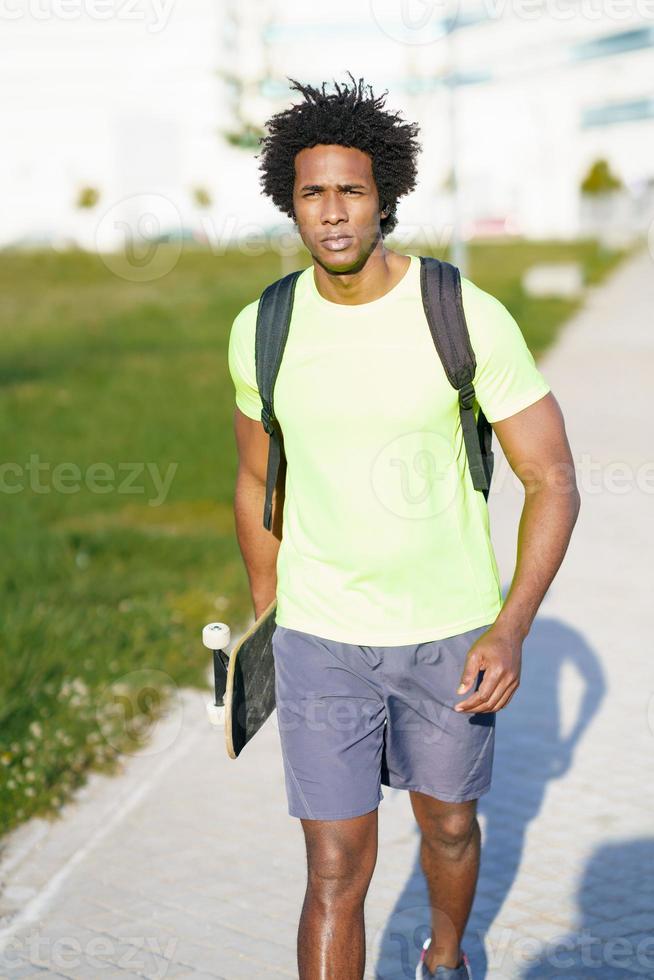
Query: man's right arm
{"points": [[259, 547]]}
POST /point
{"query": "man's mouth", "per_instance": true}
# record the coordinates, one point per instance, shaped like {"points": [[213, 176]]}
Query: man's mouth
{"points": [[337, 243]]}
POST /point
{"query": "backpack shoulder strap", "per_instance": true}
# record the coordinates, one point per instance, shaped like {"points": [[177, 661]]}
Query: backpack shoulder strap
{"points": [[440, 284], [273, 323]]}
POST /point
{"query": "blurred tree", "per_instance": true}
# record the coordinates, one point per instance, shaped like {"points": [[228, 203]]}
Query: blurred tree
{"points": [[247, 69], [448, 185], [599, 179], [202, 197], [87, 197]]}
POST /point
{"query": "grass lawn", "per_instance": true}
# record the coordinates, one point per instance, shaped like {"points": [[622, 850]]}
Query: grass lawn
{"points": [[108, 386]]}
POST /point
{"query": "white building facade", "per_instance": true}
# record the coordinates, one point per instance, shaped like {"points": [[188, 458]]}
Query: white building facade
{"points": [[516, 99]]}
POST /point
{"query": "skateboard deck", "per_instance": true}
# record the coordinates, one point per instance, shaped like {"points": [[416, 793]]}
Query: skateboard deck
{"points": [[250, 691], [245, 684]]}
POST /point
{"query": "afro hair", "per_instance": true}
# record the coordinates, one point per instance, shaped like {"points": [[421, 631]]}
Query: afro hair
{"points": [[346, 117]]}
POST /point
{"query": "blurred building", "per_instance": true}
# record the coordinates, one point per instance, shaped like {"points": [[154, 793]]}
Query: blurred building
{"points": [[120, 98], [160, 114]]}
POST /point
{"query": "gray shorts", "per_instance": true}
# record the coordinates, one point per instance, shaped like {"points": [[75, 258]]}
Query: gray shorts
{"points": [[352, 718]]}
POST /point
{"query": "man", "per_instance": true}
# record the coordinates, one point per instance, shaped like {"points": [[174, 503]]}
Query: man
{"points": [[389, 603]]}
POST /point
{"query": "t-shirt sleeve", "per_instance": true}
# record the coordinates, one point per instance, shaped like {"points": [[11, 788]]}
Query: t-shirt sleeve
{"points": [[507, 379], [240, 358]]}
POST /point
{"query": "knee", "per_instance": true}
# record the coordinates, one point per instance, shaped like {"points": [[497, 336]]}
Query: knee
{"points": [[453, 831], [335, 877]]}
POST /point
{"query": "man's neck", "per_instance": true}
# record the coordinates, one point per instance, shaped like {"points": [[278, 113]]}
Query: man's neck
{"points": [[381, 272]]}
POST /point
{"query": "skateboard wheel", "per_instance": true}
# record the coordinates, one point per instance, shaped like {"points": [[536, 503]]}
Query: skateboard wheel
{"points": [[216, 713], [216, 636]]}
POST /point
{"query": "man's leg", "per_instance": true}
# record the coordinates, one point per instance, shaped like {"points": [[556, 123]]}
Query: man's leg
{"points": [[341, 857], [449, 855]]}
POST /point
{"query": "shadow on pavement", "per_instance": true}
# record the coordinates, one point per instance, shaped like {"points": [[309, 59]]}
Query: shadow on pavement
{"points": [[529, 752], [614, 935]]}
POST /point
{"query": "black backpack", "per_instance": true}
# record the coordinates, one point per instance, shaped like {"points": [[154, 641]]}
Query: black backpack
{"points": [[440, 284]]}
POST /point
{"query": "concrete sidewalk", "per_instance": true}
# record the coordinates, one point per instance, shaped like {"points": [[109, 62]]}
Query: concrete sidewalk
{"points": [[188, 865]]}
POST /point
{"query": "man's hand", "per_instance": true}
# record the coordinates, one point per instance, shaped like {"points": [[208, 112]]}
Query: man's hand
{"points": [[499, 655]]}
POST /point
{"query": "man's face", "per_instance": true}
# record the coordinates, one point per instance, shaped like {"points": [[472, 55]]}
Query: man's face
{"points": [[336, 205]]}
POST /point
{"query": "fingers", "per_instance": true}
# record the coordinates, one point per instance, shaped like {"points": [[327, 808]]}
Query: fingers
{"points": [[486, 689], [495, 691], [470, 672], [506, 697]]}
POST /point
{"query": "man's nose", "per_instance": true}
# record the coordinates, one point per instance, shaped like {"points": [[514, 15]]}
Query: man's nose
{"points": [[333, 209]]}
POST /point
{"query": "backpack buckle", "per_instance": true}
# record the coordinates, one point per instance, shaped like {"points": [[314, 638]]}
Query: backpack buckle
{"points": [[267, 420], [467, 395]]}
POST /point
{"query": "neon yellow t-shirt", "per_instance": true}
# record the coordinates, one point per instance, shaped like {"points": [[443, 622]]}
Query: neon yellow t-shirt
{"points": [[384, 539]]}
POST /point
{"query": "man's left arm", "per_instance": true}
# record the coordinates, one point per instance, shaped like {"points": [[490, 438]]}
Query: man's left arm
{"points": [[537, 449]]}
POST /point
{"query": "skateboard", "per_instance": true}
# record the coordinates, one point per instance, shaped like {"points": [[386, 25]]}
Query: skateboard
{"points": [[244, 680]]}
